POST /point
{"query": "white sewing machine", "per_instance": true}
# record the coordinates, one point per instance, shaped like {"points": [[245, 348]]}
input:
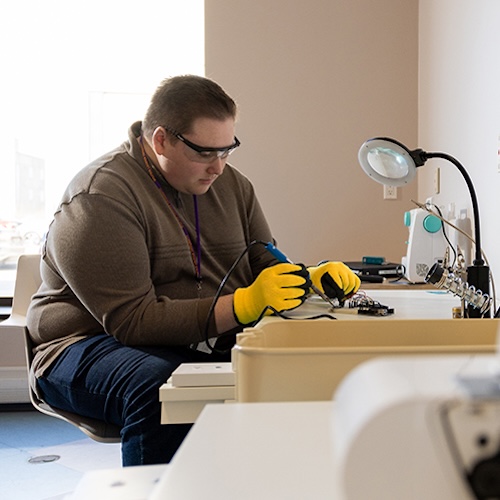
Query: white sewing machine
{"points": [[426, 244], [420, 428]]}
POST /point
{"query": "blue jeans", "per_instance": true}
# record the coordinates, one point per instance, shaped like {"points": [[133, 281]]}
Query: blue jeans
{"points": [[99, 377]]}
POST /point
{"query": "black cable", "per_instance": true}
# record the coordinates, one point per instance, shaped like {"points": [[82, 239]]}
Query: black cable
{"points": [[213, 349], [446, 236], [400, 271], [216, 298], [282, 316]]}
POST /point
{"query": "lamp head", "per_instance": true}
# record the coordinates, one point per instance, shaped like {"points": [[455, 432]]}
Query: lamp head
{"points": [[389, 162]]}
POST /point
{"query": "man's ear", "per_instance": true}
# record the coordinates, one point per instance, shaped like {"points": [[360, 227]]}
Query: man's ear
{"points": [[159, 140]]}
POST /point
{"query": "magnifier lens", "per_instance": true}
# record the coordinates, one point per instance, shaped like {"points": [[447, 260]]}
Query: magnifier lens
{"points": [[388, 163]]}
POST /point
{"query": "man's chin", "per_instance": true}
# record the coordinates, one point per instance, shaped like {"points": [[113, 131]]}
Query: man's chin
{"points": [[202, 187]]}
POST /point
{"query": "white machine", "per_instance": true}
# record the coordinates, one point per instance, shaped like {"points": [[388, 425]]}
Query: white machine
{"points": [[426, 244], [420, 428]]}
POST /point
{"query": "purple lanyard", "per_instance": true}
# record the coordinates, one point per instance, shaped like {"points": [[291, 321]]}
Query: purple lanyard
{"points": [[196, 257]]}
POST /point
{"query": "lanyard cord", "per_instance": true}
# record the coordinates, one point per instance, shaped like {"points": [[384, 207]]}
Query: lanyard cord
{"points": [[195, 257]]}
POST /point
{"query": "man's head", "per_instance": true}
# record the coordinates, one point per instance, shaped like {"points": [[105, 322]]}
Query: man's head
{"points": [[180, 100], [189, 127]]}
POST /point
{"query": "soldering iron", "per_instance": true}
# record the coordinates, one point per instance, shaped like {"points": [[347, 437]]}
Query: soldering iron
{"points": [[279, 255]]}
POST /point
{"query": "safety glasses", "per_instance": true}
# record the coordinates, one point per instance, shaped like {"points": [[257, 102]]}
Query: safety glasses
{"points": [[203, 154]]}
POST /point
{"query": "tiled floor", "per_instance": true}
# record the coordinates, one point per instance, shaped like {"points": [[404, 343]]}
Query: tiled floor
{"points": [[28, 434]]}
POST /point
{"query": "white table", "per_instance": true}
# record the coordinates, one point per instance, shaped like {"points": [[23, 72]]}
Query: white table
{"points": [[181, 405], [428, 303], [124, 483], [255, 450]]}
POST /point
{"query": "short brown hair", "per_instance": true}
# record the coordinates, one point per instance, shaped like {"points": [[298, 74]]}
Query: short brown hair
{"points": [[180, 100]]}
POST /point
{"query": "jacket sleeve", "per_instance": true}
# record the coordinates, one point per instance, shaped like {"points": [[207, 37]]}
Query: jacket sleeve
{"points": [[96, 272]]}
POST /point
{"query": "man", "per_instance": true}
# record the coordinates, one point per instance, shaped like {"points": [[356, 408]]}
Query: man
{"points": [[137, 249]]}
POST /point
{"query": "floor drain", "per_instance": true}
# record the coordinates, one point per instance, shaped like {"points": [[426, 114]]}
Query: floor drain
{"points": [[43, 459]]}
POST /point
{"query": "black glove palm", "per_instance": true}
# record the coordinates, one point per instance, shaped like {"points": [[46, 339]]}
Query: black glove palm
{"points": [[335, 279]]}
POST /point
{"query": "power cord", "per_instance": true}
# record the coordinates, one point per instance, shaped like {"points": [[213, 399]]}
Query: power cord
{"points": [[218, 293], [213, 348]]}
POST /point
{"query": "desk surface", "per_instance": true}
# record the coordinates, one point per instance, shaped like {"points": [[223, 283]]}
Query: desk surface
{"points": [[255, 450], [407, 304], [277, 450]]}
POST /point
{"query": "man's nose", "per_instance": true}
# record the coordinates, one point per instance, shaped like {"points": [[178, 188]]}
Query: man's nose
{"points": [[217, 166]]}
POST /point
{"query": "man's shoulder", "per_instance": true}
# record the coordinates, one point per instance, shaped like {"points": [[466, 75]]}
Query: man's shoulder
{"points": [[105, 175]]}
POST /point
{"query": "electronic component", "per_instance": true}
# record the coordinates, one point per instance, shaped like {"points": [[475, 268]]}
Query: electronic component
{"points": [[366, 305], [376, 310]]}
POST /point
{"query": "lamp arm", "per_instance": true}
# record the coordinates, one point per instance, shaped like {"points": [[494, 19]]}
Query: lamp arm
{"points": [[475, 207]]}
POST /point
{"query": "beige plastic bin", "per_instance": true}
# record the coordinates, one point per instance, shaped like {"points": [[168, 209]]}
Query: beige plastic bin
{"points": [[301, 360]]}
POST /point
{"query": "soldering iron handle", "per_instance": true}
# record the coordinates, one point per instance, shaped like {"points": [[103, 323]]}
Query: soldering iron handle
{"points": [[277, 253], [283, 258]]}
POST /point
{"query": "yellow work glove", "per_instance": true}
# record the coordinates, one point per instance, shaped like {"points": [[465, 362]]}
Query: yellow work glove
{"points": [[283, 287], [335, 279]]}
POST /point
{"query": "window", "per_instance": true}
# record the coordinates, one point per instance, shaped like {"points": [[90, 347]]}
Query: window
{"points": [[75, 75]]}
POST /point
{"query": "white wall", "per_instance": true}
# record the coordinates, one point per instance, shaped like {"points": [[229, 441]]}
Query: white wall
{"points": [[459, 107], [314, 80]]}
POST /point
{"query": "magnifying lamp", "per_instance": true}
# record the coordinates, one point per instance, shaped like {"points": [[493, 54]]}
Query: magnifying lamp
{"points": [[389, 162]]}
